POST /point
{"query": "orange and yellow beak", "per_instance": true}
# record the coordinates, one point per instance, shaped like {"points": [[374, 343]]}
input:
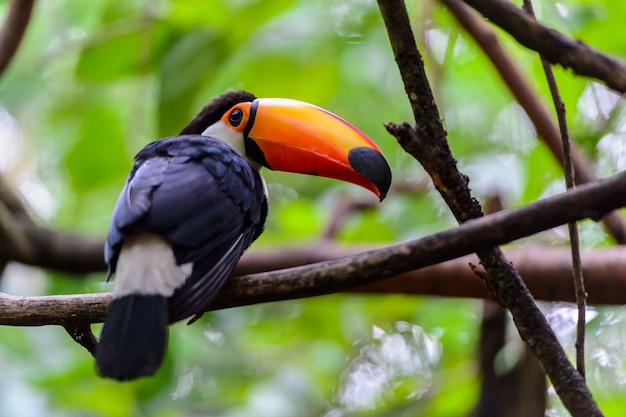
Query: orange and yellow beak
{"points": [[293, 136]]}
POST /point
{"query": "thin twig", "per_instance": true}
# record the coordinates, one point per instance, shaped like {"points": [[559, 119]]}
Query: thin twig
{"points": [[579, 283], [80, 332], [342, 211]]}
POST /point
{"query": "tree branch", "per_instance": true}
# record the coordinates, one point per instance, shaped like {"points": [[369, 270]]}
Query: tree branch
{"points": [[546, 271], [13, 30], [22, 240], [33, 245], [428, 145], [62, 310], [553, 45], [80, 332], [568, 168], [12, 203], [536, 110], [336, 275]]}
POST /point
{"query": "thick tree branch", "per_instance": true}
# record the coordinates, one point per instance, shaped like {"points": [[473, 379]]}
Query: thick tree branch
{"points": [[12, 203], [546, 271], [590, 200], [529, 100], [62, 310], [428, 145], [33, 245], [22, 240], [13, 30], [553, 45]]}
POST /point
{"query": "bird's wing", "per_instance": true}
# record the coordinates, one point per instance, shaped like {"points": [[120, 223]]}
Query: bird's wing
{"points": [[208, 277], [203, 198], [133, 203]]}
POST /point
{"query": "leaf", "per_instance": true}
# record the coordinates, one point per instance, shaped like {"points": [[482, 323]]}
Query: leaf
{"points": [[111, 59], [99, 156], [188, 62], [127, 47]]}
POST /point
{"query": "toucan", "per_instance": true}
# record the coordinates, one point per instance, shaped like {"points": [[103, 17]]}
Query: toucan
{"points": [[193, 203]]}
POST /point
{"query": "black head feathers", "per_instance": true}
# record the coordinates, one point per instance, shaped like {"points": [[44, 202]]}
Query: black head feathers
{"points": [[214, 111]]}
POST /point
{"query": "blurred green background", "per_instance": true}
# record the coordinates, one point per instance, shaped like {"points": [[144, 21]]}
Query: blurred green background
{"points": [[95, 81]]}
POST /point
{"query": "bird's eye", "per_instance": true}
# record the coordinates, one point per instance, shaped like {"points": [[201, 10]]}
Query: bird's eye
{"points": [[235, 117]]}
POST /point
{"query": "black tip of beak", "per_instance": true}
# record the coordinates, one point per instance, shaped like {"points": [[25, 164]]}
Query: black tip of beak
{"points": [[373, 166]]}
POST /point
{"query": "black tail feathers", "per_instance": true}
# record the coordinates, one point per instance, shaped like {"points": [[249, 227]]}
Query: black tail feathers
{"points": [[134, 337]]}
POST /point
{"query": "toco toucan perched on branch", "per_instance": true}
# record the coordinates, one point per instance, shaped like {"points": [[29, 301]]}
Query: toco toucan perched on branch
{"points": [[194, 202]]}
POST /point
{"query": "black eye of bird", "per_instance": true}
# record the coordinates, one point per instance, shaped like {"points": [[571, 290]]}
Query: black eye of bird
{"points": [[235, 117]]}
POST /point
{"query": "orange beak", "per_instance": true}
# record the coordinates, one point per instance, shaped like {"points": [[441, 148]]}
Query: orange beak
{"points": [[293, 136]]}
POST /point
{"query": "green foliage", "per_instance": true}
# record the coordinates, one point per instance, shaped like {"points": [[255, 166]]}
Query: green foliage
{"points": [[95, 81], [94, 160]]}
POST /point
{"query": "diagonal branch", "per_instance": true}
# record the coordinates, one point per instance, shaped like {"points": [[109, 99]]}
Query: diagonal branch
{"points": [[22, 240], [553, 45], [427, 143], [546, 271], [591, 200], [537, 112], [25, 242]]}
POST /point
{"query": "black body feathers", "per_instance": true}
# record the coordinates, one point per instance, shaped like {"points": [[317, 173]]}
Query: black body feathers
{"points": [[209, 203], [196, 192]]}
